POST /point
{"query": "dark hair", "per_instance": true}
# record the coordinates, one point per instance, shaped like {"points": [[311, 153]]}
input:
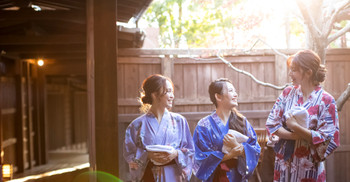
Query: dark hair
{"points": [[153, 83], [309, 60], [236, 120]]}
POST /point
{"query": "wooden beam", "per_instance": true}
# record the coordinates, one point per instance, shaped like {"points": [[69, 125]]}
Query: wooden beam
{"points": [[62, 15], [199, 52], [58, 55], [43, 39], [199, 101], [7, 111], [66, 68], [196, 116], [72, 48], [9, 142]]}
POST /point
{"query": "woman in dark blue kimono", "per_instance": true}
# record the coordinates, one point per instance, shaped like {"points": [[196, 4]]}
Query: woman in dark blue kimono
{"points": [[211, 134]]}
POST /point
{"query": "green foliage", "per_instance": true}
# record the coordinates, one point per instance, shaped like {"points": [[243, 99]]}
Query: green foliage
{"points": [[201, 23]]}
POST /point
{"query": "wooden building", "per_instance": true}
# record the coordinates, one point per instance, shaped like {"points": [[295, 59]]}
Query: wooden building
{"points": [[85, 94], [44, 108]]}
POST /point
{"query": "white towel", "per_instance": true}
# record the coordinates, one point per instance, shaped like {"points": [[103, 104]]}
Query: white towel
{"points": [[160, 148], [302, 117], [239, 137], [300, 114]]}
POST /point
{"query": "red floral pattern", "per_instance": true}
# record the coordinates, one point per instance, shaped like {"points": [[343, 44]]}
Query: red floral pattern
{"points": [[276, 175], [301, 152], [316, 140], [322, 177], [336, 138], [306, 157], [313, 110]]}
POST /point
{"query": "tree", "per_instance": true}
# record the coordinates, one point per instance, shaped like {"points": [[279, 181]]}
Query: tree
{"points": [[319, 17], [203, 23], [319, 28]]}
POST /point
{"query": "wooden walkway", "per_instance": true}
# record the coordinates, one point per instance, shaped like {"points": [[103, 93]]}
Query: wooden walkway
{"points": [[59, 162]]}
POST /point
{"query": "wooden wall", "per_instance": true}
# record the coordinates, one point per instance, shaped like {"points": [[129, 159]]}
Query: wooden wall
{"points": [[191, 77], [18, 108]]}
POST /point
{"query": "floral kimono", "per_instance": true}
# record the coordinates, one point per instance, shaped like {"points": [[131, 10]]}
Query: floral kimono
{"points": [[299, 160], [173, 131], [208, 140]]}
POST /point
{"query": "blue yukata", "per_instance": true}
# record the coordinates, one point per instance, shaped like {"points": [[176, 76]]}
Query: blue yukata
{"points": [[173, 131], [208, 140]]}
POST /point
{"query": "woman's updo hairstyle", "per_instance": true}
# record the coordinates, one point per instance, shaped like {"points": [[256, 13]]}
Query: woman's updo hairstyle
{"points": [[153, 83], [309, 60]]}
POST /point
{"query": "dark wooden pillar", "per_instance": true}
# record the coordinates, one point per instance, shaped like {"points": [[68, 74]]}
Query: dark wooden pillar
{"points": [[41, 116], [20, 118], [102, 85]]}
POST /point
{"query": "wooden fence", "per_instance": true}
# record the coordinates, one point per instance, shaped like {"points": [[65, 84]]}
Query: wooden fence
{"points": [[191, 74]]}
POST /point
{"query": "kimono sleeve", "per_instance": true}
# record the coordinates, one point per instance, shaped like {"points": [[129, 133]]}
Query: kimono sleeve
{"points": [[185, 150], [325, 138], [133, 151], [206, 157], [274, 120], [248, 162]]}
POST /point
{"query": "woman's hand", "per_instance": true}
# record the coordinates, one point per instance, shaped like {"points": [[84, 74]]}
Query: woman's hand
{"points": [[162, 157], [235, 152], [230, 141], [292, 122], [133, 165]]}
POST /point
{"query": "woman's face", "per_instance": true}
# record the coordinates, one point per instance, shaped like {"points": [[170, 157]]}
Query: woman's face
{"points": [[167, 96], [296, 74], [229, 95]]}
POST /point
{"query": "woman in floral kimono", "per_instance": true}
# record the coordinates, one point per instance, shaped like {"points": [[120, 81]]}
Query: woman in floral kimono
{"points": [[211, 134], [158, 145], [301, 150]]}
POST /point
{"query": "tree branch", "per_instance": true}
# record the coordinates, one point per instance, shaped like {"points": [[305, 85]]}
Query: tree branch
{"points": [[251, 76], [334, 16], [343, 98], [306, 14], [274, 50], [338, 34]]}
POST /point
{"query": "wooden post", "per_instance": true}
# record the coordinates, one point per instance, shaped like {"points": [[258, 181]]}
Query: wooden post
{"points": [[42, 126], [167, 67], [36, 113], [20, 153], [29, 114], [281, 70], [102, 85]]}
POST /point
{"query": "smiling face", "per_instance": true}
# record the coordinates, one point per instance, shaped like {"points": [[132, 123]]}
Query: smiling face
{"points": [[166, 96], [298, 76], [229, 96]]}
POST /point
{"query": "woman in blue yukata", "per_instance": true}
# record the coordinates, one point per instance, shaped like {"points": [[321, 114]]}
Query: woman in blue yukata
{"points": [[211, 162], [305, 140], [158, 145]]}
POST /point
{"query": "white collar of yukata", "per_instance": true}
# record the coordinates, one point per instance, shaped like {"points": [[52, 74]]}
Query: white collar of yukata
{"points": [[313, 93], [149, 113]]}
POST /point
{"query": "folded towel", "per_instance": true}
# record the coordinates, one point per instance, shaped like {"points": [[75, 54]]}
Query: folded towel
{"points": [[160, 148], [239, 137], [300, 114]]}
